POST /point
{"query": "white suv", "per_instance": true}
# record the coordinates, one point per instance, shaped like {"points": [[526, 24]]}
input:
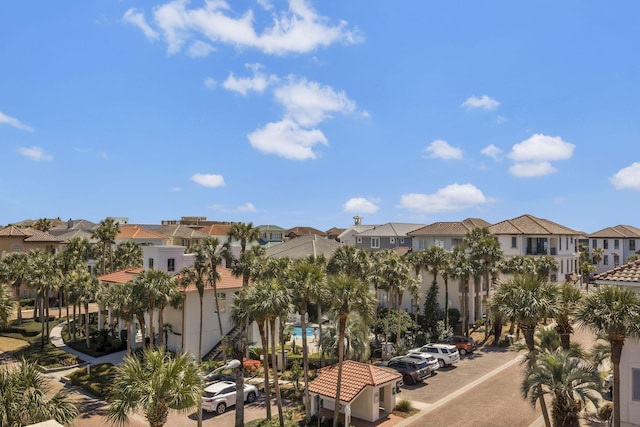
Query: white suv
{"points": [[446, 354], [222, 394]]}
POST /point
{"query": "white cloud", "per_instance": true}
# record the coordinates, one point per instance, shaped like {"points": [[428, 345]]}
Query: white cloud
{"points": [[36, 154], [501, 119], [450, 198], [210, 83], [132, 16], [532, 156], [286, 139], [266, 5], [175, 189], [309, 103], [531, 169], [296, 30], [484, 102], [541, 147], [208, 180], [360, 205], [247, 207], [440, 149], [200, 49], [11, 121], [492, 151], [628, 177], [258, 83]]}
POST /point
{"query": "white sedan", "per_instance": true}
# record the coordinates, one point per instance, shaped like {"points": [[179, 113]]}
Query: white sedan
{"points": [[222, 394]]}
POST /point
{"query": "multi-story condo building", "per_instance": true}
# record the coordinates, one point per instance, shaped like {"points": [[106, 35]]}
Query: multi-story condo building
{"points": [[611, 246]]}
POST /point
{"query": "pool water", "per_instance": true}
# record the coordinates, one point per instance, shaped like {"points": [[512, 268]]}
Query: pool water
{"points": [[297, 331]]}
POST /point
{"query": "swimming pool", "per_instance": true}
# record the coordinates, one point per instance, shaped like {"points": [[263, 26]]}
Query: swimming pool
{"points": [[297, 331]]}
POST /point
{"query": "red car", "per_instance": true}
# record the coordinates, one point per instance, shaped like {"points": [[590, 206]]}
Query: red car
{"points": [[463, 344]]}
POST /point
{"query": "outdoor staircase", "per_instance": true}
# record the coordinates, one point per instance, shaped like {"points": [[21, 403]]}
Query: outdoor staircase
{"points": [[216, 352]]}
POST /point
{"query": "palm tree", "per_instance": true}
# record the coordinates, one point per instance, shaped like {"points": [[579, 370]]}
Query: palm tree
{"points": [[14, 270], [246, 233], [303, 280], [27, 397], [215, 257], [75, 256], [168, 293], [486, 250], [155, 384], [127, 254], [598, 253], [120, 299], [106, 233], [347, 294], [84, 291], [42, 224], [197, 275], [42, 277], [569, 298], [355, 338], [155, 288], [527, 299], [613, 312], [446, 270], [569, 382], [6, 305], [464, 267]]}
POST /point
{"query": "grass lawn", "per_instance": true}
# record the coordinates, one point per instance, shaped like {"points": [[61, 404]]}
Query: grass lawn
{"points": [[10, 345], [96, 382]]}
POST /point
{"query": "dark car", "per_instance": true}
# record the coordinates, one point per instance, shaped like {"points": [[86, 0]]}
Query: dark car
{"points": [[413, 370], [463, 344]]}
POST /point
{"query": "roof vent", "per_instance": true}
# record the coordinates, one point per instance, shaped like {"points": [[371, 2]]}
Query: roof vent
{"points": [[357, 219]]}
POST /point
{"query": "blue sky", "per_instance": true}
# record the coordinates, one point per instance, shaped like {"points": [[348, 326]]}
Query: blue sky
{"points": [[308, 112]]}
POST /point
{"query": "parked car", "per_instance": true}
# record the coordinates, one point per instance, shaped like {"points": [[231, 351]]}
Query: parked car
{"points": [[432, 362], [413, 370], [222, 394], [446, 354], [463, 344]]}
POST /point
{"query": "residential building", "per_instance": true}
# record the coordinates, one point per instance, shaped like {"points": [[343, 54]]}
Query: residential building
{"points": [[182, 235], [529, 235], [294, 232], [387, 236], [446, 235], [140, 235], [271, 234], [16, 239], [614, 245], [303, 247]]}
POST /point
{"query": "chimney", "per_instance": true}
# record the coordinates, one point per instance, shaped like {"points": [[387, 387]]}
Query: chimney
{"points": [[69, 224], [357, 219]]}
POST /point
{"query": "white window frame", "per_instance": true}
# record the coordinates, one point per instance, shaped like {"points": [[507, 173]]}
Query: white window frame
{"points": [[375, 243], [171, 264], [392, 240], [359, 239]]}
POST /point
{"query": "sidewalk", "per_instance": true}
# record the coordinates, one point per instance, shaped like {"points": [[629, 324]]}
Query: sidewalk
{"points": [[56, 339]]}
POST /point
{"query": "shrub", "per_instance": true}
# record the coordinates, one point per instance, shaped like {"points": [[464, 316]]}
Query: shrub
{"points": [[251, 365], [404, 405]]}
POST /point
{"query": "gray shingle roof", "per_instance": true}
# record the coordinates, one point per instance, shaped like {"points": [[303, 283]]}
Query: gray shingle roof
{"points": [[303, 246], [451, 228], [391, 229]]}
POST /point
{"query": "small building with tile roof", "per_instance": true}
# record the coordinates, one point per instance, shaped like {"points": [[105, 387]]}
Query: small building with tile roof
{"points": [[140, 235], [627, 276], [369, 391], [182, 235], [294, 232]]}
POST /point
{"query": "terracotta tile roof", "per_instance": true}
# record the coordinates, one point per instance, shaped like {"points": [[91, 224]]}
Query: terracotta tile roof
{"points": [[226, 281], [28, 234], [355, 377], [451, 228], [617, 232], [529, 224], [216, 229], [303, 231], [628, 273], [122, 276], [302, 247], [136, 232], [181, 231]]}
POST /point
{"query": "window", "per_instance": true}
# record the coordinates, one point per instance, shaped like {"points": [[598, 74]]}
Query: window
{"points": [[375, 242], [635, 384], [276, 236], [401, 239], [594, 243], [171, 264], [358, 239], [616, 244], [632, 245], [150, 263], [616, 260], [392, 240], [514, 242], [605, 260], [439, 243], [222, 302], [605, 244]]}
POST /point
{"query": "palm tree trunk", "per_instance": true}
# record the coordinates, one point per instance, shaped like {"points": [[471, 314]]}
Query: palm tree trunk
{"points": [[224, 347], [386, 328], [161, 342], [152, 335], [529, 333], [305, 362], [446, 302], [19, 314], [342, 324], [41, 322], [73, 325], [274, 367], [86, 324], [238, 353], [265, 366], [128, 328], [320, 333], [200, 335], [616, 354], [398, 326]]}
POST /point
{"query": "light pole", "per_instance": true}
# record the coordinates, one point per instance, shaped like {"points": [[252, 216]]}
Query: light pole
{"points": [[232, 364]]}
